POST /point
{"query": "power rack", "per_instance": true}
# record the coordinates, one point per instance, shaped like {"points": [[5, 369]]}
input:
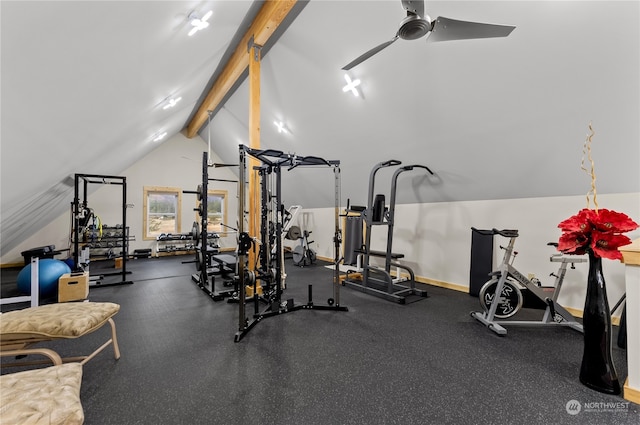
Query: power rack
{"points": [[267, 272]]}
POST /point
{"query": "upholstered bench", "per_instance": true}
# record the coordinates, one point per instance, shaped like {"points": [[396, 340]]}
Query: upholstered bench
{"points": [[21, 329], [48, 396]]}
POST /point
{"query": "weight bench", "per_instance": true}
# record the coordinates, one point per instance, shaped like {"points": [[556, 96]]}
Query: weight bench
{"points": [[225, 265], [48, 396], [21, 329]]}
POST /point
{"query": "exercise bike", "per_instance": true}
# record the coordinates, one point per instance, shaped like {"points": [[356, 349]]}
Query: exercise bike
{"points": [[502, 296], [302, 254]]}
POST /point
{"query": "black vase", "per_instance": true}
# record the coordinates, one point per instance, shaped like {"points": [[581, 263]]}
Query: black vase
{"points": [[597, 370]]}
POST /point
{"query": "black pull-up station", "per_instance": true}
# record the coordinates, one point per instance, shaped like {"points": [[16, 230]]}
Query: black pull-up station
{"points": [[376, 280]]}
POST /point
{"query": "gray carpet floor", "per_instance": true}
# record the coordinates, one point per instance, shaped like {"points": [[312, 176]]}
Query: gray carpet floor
{"points": [[427, 362]]}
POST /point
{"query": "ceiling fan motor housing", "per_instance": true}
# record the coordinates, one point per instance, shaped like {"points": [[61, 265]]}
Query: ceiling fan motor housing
{"points": [[413, 27]]}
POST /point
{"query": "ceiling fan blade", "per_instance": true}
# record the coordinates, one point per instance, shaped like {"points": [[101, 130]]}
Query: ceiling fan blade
{"points": [[368, 54], [445, 29]]}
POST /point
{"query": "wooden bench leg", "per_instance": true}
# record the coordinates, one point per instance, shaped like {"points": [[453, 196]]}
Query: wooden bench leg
{"points": [[113, 340], [116, 348], [52, 355]]}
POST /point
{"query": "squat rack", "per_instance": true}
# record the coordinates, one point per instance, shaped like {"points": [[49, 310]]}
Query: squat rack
{"points": [[204, 252], [269, 268], [81, 214]]}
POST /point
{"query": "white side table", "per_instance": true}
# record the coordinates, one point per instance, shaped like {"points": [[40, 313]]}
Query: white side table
{"points": [[631, 259]]}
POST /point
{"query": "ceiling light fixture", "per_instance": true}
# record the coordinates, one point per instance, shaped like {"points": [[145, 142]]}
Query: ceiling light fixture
{"points": [[170, 102], [281, 127], [351, 86], [198, 23], [159, 136]]}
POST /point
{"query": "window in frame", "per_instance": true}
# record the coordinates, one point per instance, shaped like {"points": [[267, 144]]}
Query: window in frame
{"points": [[162, 206], [216, 211]]}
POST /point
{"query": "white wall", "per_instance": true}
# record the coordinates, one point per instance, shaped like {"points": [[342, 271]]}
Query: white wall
{"points": [[176, 163], [436, 238]]}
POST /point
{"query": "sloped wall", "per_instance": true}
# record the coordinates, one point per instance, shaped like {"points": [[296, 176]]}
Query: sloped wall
{"points": [[176, 163]]}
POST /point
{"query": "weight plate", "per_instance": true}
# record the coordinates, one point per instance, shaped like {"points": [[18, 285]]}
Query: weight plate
{"points": [[199, 260], [298, 255], [312, 255], [195, 231], [294, 233]]}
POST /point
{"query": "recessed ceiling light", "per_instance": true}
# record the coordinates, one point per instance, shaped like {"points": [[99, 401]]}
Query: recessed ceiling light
{"points": [[159, 136], [352, 85], [281, 127], [198, 23], [170, 102]]}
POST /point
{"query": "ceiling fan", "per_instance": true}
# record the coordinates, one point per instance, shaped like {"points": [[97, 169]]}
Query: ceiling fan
{"points": [[417, 24]]}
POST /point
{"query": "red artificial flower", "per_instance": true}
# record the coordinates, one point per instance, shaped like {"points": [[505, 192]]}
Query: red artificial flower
{"points": [[580, 222], [606, 244], [596, 232], [573, 243], [613, 221]]}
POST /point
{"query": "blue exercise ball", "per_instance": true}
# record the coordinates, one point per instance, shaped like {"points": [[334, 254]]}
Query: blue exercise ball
{"points": [[69, 262], [49, 271]]}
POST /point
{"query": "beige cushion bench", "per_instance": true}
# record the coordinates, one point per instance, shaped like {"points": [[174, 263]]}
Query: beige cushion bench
{"points": [[21, 329], [48, 396]]}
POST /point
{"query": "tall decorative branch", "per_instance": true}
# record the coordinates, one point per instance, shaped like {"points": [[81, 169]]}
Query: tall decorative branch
{"points": [[593, 231], [586, 152]]}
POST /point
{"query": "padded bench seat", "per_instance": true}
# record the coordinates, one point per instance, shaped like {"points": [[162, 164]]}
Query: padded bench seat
{"points": [[21, 329], [48, 396]]}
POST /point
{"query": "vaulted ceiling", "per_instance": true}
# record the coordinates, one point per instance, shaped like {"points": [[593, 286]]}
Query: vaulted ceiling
{"points": [[83, 83], [494, 118]]}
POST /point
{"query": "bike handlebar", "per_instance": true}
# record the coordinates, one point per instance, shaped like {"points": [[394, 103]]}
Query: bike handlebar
{"points": [[391, 162]]}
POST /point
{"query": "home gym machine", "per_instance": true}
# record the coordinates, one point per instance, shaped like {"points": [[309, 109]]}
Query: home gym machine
{"points": [[375, 280], [267, 272], [87, 232], [208, 253]]}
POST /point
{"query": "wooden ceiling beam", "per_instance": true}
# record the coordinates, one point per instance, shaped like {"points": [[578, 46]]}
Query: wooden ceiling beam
{"points": [[270, 16]]}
